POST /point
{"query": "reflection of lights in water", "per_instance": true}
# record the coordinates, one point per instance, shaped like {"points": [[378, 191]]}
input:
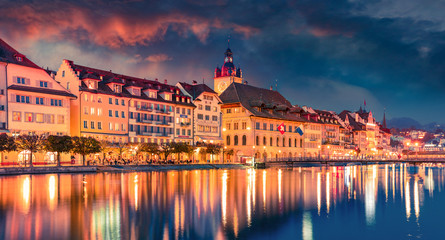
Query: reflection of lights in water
{"points": [[279, 186], [248, 196], [106, 222], [264, 189], [176, 227], [327, 192], [26, 193], [253, 184], [416, 199], [224, 197], [370, 202], [407, 201], [319, 192], [386, 182], [393, 182], [52, 191], [136, 196], [307, 226], [429, 182], [235, 223]]}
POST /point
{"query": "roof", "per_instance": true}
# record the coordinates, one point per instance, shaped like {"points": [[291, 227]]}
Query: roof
{"points": [[107, 77], [355, 125], [42, 90], [256, 99], [10, 55], [197, 89]]}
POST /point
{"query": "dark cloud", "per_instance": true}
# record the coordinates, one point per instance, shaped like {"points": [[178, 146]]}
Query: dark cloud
{"points": [[326, 54]]}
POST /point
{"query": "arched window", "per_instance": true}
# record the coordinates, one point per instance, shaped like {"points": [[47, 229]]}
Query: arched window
{"points": [[264, 141], [235, 140], [295, 142], [290, 143], [270, 142], [257, 142], [284, 142], [278, 142], [301, 142], [244, 139], [228, 140]]}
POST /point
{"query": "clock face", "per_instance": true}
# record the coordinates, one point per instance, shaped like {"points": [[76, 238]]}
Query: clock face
{"points": [[222, 86], [226, 59]]}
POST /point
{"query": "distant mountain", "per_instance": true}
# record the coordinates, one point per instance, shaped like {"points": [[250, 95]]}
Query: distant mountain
{"points": [[403, 122]]}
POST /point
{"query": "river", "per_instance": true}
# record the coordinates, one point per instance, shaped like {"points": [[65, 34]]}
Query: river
{"points": [[394, 201]]}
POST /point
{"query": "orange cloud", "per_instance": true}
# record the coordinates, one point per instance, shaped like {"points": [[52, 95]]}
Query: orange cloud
{"points": [[65, 21], [326, 32], [158, 58]]}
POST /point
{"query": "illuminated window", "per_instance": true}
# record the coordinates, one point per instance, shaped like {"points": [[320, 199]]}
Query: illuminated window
{"points": [[92, 124], [50, 118], [16, 116], [92, 111], [99, 125], [85, 124], [39, 117], [116, 126], [29, 117]]}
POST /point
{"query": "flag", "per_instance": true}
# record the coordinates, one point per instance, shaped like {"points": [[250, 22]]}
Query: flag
{"points": [[300, 130], [281, 128], [365, 102]]}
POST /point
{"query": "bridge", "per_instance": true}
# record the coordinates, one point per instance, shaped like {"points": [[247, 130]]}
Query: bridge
{"points": [[298, 161]]}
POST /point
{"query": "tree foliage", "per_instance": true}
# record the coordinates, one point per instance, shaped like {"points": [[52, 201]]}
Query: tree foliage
{"points": [[7, 143], [58, 144], [31, 143], [85, 146]]}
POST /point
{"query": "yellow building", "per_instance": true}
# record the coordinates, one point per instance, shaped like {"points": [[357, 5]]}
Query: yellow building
{"points": [[261, 123], [120, 108]]}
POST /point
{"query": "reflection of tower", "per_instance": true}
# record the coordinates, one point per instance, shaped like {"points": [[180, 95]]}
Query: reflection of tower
{"points": [[227, 74]]}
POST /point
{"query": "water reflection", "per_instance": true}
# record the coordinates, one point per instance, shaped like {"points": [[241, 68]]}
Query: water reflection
{"points": [[228, 204]]}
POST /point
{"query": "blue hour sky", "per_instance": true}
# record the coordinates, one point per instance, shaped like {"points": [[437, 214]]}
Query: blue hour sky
{"points": [[329, 55]]}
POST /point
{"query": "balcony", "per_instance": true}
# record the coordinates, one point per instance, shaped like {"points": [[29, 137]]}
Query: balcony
{"points": [[160, 134], [144, 121], [185, 124], [144, 108]]}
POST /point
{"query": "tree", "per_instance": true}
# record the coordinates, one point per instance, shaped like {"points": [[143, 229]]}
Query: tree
{"points": [[229, 152], [167, 149], [150, 148], [105, 148], [120, 148], [213, 149], [31, 143], [85, 146], [58, 144], [7, 143]]}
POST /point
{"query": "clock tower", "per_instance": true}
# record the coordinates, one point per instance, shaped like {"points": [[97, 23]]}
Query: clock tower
{"points": [[227, 74]]}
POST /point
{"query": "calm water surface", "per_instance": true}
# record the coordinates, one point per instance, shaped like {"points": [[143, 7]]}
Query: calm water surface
{"points": [[367, 202]]}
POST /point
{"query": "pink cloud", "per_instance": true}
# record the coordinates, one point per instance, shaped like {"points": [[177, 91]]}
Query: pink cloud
{"points": [[326, 32], [64, 21], [158, 58]]}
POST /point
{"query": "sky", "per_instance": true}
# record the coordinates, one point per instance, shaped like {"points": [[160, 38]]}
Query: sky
{"points": [[330, 55]]}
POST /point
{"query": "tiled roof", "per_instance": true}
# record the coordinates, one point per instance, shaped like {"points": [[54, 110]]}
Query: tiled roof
{"points": [[355, 125], [254, 98], [10, 55], [110, 77], [41, 90], [197, 89]]}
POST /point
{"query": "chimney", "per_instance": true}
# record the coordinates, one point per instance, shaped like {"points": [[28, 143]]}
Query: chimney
{"points": [[165, 81], [194, 82]]}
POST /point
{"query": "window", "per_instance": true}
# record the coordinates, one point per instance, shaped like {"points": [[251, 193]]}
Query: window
{"points": [[228, 140], [39, 117], [243, 125], [117, 88], [183, 111], [188, 111], [50, 118], [229, 110], [85, 124], [116, 126], [99, 99], [39, 101], [123, 114], [244, 140], [264, 141], [21, 80], [63, 73], [228, 126], [22, 99], [189, 132], [207, 108], [85, 97], [235, 126], [110, 101], [278, 142], [177, 132], [110, 126], [152, 94], [29, 117], [215, 118], [123, 102], [215, 109], [257, 141], [99, 112], [265, 126], [85, 110], [56, 102], [257, 125], [110, 113], [17, 116], [199, 106], [43, 84], [92, 111], [116, 113], [271, 127], [60, 119], [200, 116], [235, 140], [92, 125], [270, 141], [177, 110], [290, 143], [116, 101], [207, 117]]}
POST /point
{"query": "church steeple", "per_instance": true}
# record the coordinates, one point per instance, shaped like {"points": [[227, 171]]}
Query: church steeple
{"points": [[228, 73]]}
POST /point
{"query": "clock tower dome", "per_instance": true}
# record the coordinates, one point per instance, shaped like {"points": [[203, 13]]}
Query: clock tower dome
{"points": [[227, 74]]}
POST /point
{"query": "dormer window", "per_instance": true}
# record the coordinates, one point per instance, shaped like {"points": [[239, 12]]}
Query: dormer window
{"points": [[167, 97], [117, 88], [136, 92], [152, 94], [20, 59], [43, 84], [92, 84]]}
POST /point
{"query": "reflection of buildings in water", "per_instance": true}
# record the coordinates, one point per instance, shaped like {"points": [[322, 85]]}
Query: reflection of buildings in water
{"points": [[370, 194]]}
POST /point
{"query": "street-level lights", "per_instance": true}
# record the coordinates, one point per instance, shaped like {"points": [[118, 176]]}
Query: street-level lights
{"points": [[329, 152], [319, 151], [417, 149]]}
